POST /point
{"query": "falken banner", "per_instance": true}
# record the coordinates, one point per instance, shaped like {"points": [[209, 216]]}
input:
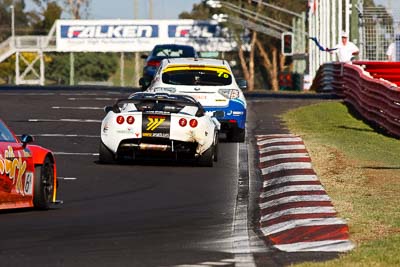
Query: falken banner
{"points": [[140, 35]]}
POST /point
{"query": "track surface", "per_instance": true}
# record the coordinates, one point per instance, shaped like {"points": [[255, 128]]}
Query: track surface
{"points": [[150, 214]]}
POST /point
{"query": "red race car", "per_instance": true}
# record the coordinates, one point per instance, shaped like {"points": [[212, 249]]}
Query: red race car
{"points": [[27, 172]]}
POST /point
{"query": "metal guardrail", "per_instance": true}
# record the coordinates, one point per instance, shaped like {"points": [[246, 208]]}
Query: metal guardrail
{"points": [[375, 99]]}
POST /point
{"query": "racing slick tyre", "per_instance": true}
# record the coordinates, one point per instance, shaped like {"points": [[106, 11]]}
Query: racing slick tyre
{"points": [[105, 155], [236, 135], [43, 185], [207, 158]]}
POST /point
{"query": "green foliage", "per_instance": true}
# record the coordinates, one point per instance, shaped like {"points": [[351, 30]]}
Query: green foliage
{"points": [[88, 67], [200, 11], [7, 70], [21, 20], [44, 20]]}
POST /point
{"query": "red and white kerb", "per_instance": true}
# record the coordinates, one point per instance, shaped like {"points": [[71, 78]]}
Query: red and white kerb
{"points": [[296, 213]]}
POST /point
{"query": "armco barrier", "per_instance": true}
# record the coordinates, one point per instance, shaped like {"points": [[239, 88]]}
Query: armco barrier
{"points": [[375, 99]]}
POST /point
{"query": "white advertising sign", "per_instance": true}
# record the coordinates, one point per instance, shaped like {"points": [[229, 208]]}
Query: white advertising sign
{"points": [[139, 35]]}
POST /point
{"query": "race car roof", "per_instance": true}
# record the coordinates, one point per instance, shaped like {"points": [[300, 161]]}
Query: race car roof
{"points": [[198, 61], [179, 64]]}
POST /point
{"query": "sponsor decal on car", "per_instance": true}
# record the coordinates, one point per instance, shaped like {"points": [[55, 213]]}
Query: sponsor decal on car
{"points": [[28, 185], [156, 126], [163, 135], [13, 170], [154, 122], [200, 97]]}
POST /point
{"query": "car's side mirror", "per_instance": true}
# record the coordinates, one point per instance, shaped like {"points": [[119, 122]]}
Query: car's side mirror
{"points": [[25, 139], [144, 83], [242, 83], [144, 56]]}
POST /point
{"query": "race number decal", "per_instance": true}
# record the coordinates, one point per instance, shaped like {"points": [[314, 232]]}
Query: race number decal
{"points": [[28, 185]]}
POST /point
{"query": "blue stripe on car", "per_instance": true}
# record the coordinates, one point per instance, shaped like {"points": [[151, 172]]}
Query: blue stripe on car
{"points": [[233, 106]]}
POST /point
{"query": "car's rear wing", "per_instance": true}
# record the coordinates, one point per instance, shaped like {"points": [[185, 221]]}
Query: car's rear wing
{"points": [[161, 104]]}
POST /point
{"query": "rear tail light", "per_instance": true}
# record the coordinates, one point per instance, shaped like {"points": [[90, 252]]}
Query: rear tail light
{"points": [[153, 63], [182, 122], [193, 123], [130, 120], [234, 94], [120, 119], [229, 93]]}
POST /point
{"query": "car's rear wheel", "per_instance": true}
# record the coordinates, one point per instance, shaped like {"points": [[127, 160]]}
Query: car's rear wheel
{"points": [[207, 158], [105, 155], [43, 184], [236, 135]]}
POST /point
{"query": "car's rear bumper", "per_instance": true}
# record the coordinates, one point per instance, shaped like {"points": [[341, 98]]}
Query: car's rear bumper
{"points": [[234, 115]]}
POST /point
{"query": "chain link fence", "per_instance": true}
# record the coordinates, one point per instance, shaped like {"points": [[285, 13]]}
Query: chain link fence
{"points": [[379, 26]]}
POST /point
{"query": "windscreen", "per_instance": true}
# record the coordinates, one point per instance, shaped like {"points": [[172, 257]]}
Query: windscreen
{"points": [[197, 76], [173, 52], [5, 134]]}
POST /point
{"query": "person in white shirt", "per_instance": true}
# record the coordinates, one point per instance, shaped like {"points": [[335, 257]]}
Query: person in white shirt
{"points": [[391, 52], [345, 50]]}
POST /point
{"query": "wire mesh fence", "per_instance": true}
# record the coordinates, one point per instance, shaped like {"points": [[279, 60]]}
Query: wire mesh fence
{"points": [[380, 26]]}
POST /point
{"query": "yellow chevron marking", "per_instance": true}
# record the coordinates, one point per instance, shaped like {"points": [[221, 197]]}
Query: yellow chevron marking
{"points": [[154, 123]]}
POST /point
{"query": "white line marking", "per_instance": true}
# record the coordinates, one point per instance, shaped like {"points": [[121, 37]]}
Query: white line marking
{"points": [[25, 93], [62, 120], [67, 178], [290, 178], [292, 188], [240, 233], [278, 140], [94, 98], [286, 166], [327, 246], [278, 148], [274, 135], [284, 156], [294, 199], [77, 154], [79, 108], [66, 135], [79, 94], [280, 227], [302, 210], [214, 263]]}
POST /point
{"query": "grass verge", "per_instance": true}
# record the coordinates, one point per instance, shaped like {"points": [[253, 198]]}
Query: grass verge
{"points": [[360, 170]]}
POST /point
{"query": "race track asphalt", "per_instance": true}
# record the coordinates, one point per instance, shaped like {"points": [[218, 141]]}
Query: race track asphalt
{"points": [[147, 214]]}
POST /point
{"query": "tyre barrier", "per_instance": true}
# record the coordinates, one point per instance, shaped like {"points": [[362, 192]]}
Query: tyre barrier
{"points": [[377, 100], [296, 214]]}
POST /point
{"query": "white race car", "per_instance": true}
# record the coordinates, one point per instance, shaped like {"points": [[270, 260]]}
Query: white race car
{"points": [[159, 124], [212, 83]]}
